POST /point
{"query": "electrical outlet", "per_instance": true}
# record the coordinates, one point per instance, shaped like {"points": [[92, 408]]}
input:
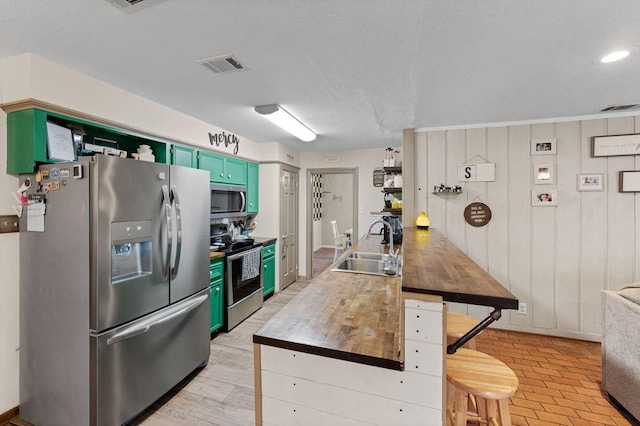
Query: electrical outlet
{"points": [[9, 223], [522, 308]]}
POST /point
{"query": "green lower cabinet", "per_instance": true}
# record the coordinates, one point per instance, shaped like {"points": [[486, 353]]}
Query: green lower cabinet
{"points": [[217, 309], [269, 269], [216, 290]]}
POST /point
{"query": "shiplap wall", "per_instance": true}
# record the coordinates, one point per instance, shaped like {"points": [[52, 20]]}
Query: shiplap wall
{"points": [[555, 259]]}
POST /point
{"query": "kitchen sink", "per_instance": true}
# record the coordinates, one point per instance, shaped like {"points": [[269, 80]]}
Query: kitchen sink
{"points": [[368, 256], [367, 263]]}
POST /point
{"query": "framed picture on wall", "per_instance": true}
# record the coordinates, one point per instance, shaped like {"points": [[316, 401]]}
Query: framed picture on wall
{"points": [[543, 146], [544, 197], [591, 182], [542, 174]]}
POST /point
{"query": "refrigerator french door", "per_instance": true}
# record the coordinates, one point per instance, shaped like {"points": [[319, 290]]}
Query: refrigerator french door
{"points": [[114, 292]]}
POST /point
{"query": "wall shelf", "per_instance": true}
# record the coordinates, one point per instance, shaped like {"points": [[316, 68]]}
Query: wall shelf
{"points": [[392, 211], [447, 193], [395, 169], [392, 190]]}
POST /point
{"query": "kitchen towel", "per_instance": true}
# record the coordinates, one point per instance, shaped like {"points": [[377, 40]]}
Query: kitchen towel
{"points": [[251, 263]]}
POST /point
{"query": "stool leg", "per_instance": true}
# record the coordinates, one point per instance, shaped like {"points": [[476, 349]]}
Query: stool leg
{"points": [[461, 405], [481, 407], [472, 344], [492, 412], [451, 390], [505, 416]]}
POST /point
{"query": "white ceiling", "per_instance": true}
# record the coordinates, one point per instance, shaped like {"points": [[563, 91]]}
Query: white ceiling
{"points": [[356, 72]]}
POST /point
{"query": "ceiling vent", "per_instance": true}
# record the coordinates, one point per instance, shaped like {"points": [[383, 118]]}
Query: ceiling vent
{"points": [[222, 64], [132, 5], [613, 108]]}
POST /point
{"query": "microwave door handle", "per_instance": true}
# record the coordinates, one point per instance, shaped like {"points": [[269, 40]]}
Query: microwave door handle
{"points": [[166, 203], [178, 214], [243, 201]]}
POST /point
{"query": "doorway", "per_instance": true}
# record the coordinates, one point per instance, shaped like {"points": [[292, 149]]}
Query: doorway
{"points": [[332, 194], [288, 226]]}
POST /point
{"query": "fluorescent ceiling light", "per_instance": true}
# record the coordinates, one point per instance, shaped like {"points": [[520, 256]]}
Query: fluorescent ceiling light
{"points": [[614, 56], [286, 121]]}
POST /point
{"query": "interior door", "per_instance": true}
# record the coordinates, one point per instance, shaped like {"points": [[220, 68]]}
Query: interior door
{"points": [[289, 227]]}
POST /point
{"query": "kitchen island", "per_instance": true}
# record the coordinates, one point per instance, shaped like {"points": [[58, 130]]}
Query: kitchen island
{"points": [[366, 349]]}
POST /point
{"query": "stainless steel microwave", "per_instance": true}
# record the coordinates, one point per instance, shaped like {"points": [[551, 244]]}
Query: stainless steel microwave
{"points": [[228, 201]]}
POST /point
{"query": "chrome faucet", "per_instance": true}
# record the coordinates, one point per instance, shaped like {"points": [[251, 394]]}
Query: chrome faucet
{"points": [[393, 255]]}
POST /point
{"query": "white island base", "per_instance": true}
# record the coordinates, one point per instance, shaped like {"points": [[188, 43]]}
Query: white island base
{"points": [[297, 388]]}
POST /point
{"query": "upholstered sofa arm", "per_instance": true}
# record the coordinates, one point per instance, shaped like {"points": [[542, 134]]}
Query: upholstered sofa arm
{"points": [[621, 347]]}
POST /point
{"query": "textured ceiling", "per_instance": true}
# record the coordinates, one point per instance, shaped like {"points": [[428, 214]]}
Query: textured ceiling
{"points": [[356, 72]]}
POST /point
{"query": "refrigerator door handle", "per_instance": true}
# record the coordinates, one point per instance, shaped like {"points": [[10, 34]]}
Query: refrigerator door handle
{"points": [[178, 214], [243, 201], [166, 200], [153, 322]]}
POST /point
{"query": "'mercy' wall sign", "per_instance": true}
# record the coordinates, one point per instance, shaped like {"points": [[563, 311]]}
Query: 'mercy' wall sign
{"points": [[226, 139]]}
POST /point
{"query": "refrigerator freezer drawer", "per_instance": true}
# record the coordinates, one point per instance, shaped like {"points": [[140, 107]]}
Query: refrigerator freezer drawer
{"points": [[150, 355]]}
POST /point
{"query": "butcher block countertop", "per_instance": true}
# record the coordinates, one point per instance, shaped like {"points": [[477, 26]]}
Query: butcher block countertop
{"points": [[356, 317], [433, 265]]}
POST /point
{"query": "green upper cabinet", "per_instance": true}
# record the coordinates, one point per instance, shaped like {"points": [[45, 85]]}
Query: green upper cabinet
{"points": [[212, 162], [253, 190], [27, 138], [183, 156], [223, 169], [235, 171]]}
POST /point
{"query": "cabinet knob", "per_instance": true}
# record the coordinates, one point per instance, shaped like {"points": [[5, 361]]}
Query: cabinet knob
{"points": [[265, 266], [229, 176], [217, 289], [221, 174]]}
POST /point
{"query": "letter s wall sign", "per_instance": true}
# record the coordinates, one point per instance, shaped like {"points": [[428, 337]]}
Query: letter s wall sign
{"points": [[477, 172]]}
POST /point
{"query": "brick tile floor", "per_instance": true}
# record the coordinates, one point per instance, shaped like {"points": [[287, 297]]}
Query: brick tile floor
{"points": [[559, 379]]}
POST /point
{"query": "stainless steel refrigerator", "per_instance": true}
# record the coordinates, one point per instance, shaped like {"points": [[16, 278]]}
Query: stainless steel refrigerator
{"points": [[114, 304]]}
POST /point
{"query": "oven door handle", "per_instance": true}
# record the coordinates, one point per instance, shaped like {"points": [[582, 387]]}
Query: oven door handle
{"points": [[235, 256]]}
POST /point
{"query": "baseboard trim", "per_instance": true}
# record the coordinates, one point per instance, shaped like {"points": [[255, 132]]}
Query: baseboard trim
{"points": [[8, 415]]}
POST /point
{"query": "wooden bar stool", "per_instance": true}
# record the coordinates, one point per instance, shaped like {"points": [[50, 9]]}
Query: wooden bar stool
{"points": [[490, 380], [458, 325]]}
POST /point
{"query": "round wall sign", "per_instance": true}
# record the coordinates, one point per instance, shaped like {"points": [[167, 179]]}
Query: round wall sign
{"points": [[477, 214]]}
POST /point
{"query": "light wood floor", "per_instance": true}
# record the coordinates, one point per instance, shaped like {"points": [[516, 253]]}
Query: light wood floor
{"points": [[322, 258], [559, 379], [221, 394]]}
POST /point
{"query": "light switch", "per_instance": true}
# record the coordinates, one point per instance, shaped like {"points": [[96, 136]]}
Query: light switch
{"points": [[9, 223]]}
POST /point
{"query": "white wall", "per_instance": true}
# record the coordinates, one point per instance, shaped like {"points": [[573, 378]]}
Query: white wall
{"points": [[9, 283], [370, 198], [268, 220], [555, 259], [317, 234], [337, 204], [29, 76]]}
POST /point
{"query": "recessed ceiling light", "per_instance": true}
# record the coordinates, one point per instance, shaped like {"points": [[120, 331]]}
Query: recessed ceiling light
{"points": [[614, 56]]}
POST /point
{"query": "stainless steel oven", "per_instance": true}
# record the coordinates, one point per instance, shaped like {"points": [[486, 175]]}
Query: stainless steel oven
{"points": [[243, 283], [228, 201]]}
